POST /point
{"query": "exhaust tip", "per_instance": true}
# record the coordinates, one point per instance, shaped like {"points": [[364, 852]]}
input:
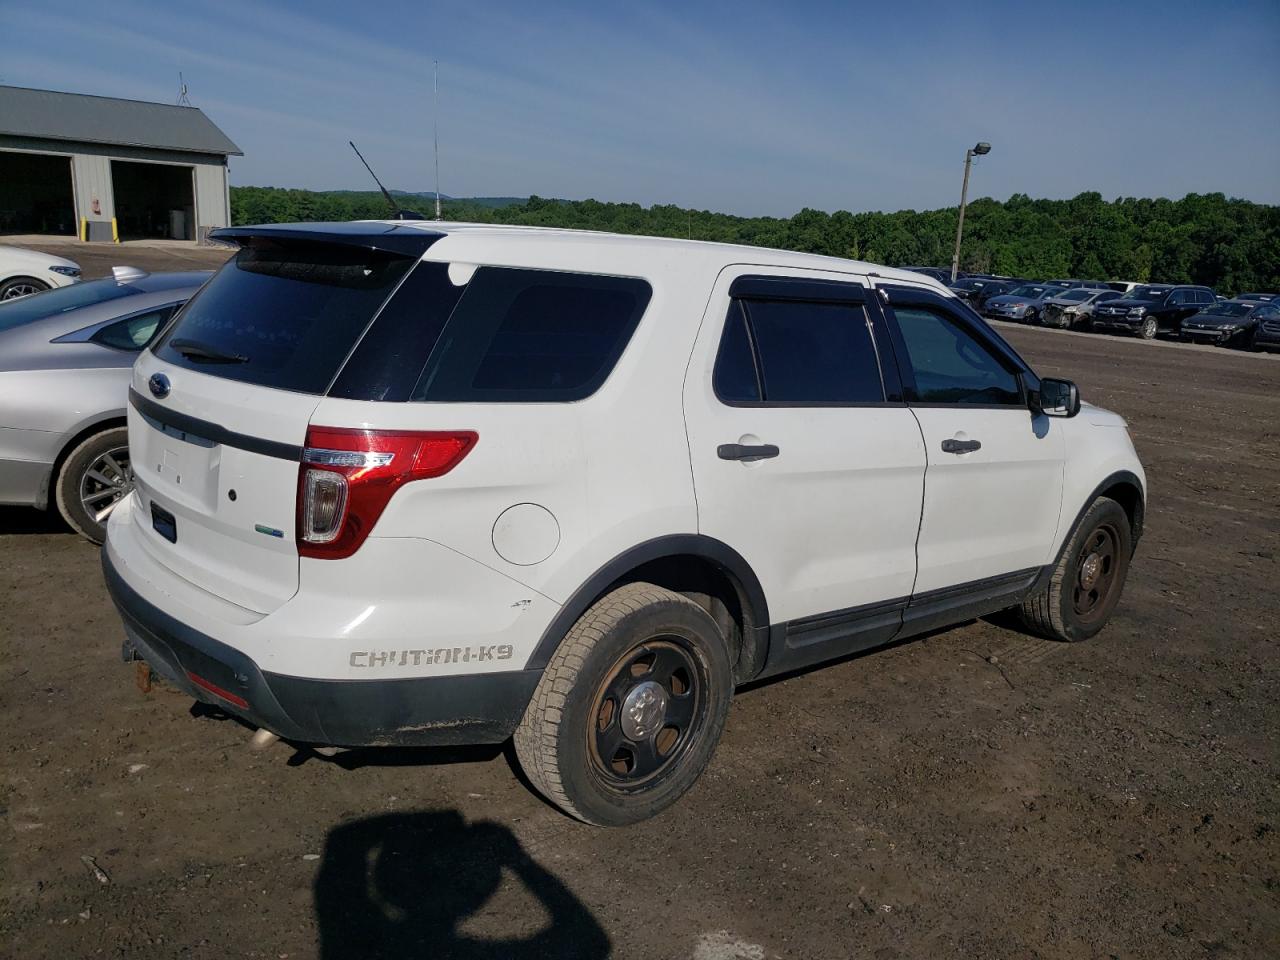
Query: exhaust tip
{"points": [[262, 739]]}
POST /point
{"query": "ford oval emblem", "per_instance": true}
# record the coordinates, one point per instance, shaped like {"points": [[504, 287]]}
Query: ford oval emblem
{"points": [[159, 385]]}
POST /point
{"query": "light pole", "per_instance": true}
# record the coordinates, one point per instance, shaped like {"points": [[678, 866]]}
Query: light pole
{"points": [[977, 150]]}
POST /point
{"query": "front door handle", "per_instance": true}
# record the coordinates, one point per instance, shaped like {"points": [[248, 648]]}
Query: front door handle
{"points": [[960, 446], [744, 451]]}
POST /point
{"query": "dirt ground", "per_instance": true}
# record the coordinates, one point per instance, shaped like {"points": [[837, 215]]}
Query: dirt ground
{"points": [[974, 794]]}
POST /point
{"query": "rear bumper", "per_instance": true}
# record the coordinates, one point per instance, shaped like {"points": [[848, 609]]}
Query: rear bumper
{"points": [[418, 711]]}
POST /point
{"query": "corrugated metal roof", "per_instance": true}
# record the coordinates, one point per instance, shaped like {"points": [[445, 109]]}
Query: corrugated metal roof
{"points": [[136, 123]]}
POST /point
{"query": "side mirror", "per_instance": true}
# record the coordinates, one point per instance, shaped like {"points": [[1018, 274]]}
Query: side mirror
{"points": [[1056, 398]]}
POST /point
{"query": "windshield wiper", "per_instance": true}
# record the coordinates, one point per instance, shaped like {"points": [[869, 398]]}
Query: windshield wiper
{"points": [[202, 352]]}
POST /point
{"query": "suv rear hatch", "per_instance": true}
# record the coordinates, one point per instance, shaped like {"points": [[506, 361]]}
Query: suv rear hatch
{"points": [[220, 405]]}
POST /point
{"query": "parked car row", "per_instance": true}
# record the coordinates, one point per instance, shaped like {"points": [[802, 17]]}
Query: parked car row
{"points": [[1189, 312]]}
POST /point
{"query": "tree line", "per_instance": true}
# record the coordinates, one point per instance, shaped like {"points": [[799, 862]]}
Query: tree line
{"points": [[1229, 244]]}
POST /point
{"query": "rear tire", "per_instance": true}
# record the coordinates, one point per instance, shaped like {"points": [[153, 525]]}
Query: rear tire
{"points": [[93, 478], [16, 287], [1086, 585], [630, 708]]}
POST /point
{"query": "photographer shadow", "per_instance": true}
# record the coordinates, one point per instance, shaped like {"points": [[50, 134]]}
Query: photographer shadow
{"points": [[402, 885]]}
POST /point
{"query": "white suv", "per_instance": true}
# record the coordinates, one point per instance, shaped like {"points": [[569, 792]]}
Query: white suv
{"points": [[432, 483]]}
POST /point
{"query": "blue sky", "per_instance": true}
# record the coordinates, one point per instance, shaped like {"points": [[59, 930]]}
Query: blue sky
{"points": [[739, 107]]}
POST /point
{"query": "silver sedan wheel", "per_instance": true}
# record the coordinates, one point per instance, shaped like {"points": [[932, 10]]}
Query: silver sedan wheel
{"points": [[16, 290], [105, 483]]}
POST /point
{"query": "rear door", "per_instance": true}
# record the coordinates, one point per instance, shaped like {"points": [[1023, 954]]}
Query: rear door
{"points": [[806, 461], [993, 484], [219, 406]]}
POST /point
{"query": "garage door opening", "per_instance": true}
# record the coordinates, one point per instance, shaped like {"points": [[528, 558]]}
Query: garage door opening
{"points": [[35, 194], [153, 201]]}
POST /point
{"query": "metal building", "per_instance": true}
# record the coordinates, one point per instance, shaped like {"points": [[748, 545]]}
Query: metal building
{"points": [[107, 169]]}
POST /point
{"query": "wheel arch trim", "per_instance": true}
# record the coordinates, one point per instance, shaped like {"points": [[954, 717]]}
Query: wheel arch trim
{"points": [[1119, 478], [108, 420], [717, 553]]}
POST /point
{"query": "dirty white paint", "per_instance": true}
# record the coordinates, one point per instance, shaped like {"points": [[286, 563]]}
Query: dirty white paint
{"points": [[722, 945]]}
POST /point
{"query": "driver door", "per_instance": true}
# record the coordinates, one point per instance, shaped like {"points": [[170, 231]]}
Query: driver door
{"points": [[993, 474]]}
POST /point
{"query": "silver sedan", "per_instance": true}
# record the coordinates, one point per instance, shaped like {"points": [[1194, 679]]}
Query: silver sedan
{"points": [[65, 357], [1073, 309]]}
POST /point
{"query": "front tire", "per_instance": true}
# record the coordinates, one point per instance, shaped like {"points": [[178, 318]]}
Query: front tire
{"points": [[1086, 585], [630, 708], [1149, 329], [94, 477], [16, 287]]}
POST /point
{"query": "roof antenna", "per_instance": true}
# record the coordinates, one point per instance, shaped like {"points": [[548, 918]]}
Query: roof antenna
{"points": [[396, 212], [435, 92], [182, 92]]}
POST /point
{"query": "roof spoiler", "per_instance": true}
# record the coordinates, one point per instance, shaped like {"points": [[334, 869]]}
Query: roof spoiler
{"points": [[371, 234]]}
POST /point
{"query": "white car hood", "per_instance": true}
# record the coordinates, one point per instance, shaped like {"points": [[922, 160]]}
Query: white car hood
{"points": [[1100, 417], [20, 258]]}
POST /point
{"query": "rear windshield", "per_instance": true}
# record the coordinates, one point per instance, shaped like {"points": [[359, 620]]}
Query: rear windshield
{"points": [[283, 314], [14, 313]]}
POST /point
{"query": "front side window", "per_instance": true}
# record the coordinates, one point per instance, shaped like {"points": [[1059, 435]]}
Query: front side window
{"points": [[1180, 297], [950, 364], [133, 333], [798, 353]]}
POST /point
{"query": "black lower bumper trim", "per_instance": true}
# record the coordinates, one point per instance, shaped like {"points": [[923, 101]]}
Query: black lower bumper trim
{"points": [[418, 711]]}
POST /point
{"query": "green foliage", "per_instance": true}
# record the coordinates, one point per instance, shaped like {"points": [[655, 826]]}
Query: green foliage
{"points": [[1231, 245]]}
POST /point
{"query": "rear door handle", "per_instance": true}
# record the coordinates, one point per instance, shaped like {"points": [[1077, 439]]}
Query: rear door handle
{"points": [[742, 451], [960, 446]]}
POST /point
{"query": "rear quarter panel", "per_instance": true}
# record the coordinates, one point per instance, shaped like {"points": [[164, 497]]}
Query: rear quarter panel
{"points": [[612, 469]]}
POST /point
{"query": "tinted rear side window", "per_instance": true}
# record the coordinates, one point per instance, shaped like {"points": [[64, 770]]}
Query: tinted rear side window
{"points": [[284, 314], [389, 360], [532, 336], [814, 353]]}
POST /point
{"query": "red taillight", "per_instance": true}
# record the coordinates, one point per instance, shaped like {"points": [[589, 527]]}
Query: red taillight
{"points": [[347, 476]]}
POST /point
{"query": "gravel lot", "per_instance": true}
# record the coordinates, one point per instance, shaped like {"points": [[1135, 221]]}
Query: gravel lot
{"points": [[978, 793]]}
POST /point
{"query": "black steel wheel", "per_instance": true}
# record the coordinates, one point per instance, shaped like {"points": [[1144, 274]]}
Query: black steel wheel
{"points": [[1088, 579], [647, 712], [629, 710], [1095, 577]]}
